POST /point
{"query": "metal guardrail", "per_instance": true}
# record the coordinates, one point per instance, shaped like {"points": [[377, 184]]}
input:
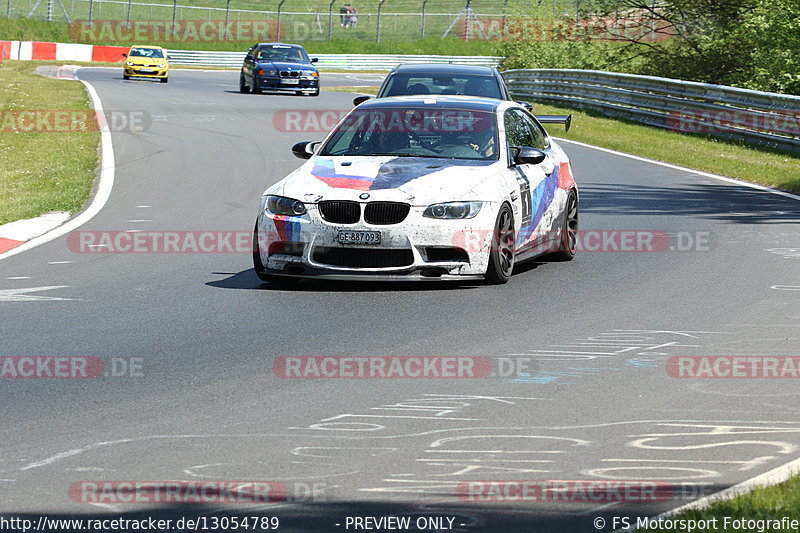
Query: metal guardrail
{"points": [[331, 61], [762, 118]]}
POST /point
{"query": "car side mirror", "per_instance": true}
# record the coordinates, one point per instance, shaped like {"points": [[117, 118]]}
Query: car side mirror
{"points": [[527, 155], [169, 58], [314, 59], [360, 99], [527, 105], [124, 55], [305, 149]]}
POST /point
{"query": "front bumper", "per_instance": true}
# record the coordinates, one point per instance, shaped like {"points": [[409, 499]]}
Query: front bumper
{"points": [[307, 247], [146, 72], [276, 83]]}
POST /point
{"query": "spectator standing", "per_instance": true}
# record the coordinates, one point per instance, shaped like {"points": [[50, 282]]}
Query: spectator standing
{"points": [[353, 17], [344, 15]]}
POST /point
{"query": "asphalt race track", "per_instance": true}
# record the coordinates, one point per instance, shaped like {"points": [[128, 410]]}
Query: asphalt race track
{"points": [[596, 402]]}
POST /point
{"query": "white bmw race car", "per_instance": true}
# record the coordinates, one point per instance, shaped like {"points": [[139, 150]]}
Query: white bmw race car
{"points": [[421, 187]]}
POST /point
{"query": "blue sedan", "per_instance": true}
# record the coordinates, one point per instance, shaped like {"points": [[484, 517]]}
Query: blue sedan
{"points": [[279, 67]]}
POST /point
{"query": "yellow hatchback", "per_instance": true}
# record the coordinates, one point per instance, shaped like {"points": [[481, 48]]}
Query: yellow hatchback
{"points": [[144, 61]]}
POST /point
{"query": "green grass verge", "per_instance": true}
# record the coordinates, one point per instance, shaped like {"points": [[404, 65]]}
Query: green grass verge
{"points": [[765, 503], [43, 171], [773, 169]]}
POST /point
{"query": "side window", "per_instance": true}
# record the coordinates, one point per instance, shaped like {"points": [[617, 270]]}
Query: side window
{"points": [[538, 134], [518, 132]]}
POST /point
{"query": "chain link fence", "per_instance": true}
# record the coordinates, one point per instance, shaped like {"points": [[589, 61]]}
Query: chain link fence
{"points": [[297, 20]]}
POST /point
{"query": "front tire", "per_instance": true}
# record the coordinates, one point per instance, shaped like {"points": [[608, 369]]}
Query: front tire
{"points": [[165, 79], [125, 77], [568, 237], [501, 256], [243, 88]]}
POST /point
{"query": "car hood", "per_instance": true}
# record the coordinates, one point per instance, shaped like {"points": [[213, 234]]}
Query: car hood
{"points": [[286, 65], [415, 180], [146, 61]]}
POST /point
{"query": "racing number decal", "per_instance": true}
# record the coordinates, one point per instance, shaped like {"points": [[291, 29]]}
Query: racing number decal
{"points": [[524, 196]]}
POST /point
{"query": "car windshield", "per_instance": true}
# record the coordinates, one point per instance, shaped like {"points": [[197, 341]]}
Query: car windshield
{"points": [[153, 53], [416, 131], [282, 53], [466, 85]]}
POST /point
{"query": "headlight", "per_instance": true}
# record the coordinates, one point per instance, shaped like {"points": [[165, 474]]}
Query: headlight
{"points": [[310, 75], [453, 210], [280, 205], [129, 63], [263, 72]]}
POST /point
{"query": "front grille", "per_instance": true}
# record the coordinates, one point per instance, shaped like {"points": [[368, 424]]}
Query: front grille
{"points": [[385, 212], [288, 74], [340, 212], [364, 257]]}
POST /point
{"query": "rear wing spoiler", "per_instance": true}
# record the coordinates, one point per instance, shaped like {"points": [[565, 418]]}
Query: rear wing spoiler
{"points": [[566, 120]]}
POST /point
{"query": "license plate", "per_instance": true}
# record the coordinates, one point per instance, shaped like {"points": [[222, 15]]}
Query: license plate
{"points": [[359, 237], [145, 70], [290, 81]]}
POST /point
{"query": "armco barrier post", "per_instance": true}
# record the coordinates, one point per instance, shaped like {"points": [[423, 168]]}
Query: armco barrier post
{"points": [[330, 19], [424, 5], [378, 35], [280, 7], [227, 18]]}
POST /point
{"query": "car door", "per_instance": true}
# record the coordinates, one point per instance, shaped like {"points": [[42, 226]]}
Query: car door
{"points": [[534, 187]]}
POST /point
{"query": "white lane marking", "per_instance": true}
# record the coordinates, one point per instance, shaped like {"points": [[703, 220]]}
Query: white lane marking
{"points": [[732, 181], [140, 220], [776, 287], [21, 295], [96, 445], [18, 277], [112, 507], [104, 185], [144, 206], [133, 231], [788, 253], [59, 262]]}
